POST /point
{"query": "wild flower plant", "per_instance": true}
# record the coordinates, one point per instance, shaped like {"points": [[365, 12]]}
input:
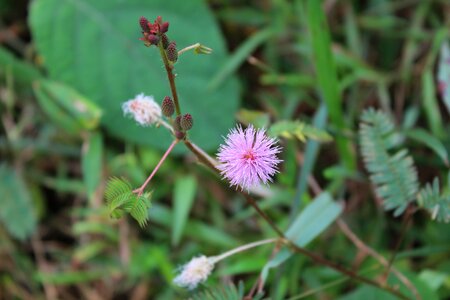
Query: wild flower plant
{"points": [[249, 157]]}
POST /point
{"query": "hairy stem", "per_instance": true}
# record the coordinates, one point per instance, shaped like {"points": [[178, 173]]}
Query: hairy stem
{"points": [[170, 77]]}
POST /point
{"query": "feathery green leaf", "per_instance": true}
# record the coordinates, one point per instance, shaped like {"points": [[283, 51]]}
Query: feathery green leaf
{"points": [[438, 205], [394, 175], [121, 200]]}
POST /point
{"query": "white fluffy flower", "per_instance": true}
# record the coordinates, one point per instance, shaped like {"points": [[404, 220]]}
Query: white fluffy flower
{"points": [[143, 109], [194, 272]]}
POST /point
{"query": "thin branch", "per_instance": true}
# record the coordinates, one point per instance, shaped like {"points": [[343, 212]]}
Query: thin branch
{"points": [[140, 190]]}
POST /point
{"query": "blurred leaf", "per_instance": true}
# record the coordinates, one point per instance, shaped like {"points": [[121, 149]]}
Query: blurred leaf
{"points": [[327, 75], [94, 47], [299, 130], [259, 119], [436, 203], [21, 71], [444, 74], [433, 279], [72, 277], [92, 161], [17, 212], [67, 107], [184, 194], [422, 136], [311, 151], [311, 222], [238, 57], [88, 251], [394, 175], [121, 199], [430, 104], [194, 229]]}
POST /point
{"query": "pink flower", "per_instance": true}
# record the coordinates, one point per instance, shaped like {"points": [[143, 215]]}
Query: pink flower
{"points": [[248, 157]]}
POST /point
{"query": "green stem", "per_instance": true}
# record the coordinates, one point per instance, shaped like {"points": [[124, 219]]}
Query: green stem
{"points": [[170, 77]]}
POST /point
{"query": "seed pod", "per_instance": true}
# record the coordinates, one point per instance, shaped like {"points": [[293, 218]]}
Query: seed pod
{"points": [[172, 53], [167, 106], [186, 122]]}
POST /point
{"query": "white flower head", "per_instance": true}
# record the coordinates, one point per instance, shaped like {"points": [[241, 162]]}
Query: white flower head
{"points": [[194, 272], [143, 109]]}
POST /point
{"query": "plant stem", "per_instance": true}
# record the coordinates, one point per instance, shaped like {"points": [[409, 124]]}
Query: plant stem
{"points": [[140, 190], [170, 77], [215, 259], [188, 48]]}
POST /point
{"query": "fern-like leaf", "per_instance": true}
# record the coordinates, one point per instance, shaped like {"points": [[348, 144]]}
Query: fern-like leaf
{"points": [[228, 292], [116, 188], [394, 176], [438, 205], [299, 130], [121, 200], [139, 208]]}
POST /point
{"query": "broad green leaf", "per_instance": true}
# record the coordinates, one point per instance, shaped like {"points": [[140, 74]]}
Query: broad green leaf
{"points": [[94, 47], [21, 71], [299, 130], [184, 193], [66, 107], [92, 161], [422, 136], [311, 222], [444, 74], [17, 213]]}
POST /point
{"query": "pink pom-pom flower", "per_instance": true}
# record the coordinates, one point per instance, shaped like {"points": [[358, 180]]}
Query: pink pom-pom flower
{"points": [[248, 157]]}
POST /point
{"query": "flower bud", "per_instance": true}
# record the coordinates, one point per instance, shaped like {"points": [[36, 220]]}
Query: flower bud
{"points": [[144, 24], [164, 41], [153, 39], [186, 122], [164, 27], [167, 106], [172, 53]]}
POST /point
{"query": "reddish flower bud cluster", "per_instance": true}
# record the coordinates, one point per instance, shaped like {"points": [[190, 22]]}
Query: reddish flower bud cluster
{"points": [[152, 32]]}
